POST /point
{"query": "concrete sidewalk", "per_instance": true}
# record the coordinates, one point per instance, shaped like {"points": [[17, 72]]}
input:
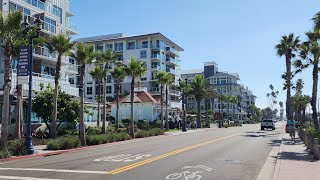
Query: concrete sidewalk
{"points": [[294, 162]]}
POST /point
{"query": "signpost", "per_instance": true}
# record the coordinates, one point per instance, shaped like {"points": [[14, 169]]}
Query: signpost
{"points": [[23, 64]]}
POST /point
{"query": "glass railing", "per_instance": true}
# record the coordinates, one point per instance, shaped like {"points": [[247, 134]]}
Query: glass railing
{"points": [[170, 59], [173, 71], [71, 26], [155, 89], [172, 50], [42, 51], [155, 68], [155, 56]]}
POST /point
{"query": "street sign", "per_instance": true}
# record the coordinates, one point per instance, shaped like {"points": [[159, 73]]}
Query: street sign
{"points": [[23, 64]]}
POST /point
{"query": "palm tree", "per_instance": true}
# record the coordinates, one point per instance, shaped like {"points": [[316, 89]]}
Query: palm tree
{"points": [[168, 81], [98, 74], [199, 90], [233, 101], [161, 78], [135, 69], [281, 109], [11, 35], [118, 74], [84, 55], [287, 47], [107, 59], [310, 54], [62, 45]]}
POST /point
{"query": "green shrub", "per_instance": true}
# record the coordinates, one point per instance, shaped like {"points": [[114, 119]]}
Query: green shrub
{"points": [[68, 132], [93, 130], [141, 134], [4, 153], [312, 131], [17, 147], [107, 138], [62, 143], [143, 124], [156, 132], [126, 122]]}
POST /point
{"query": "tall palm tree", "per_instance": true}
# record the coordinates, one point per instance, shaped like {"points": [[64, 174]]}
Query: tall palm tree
{"points": [[134, 69], [118, 74], [281, 109], [233, 101], [168, 81], [98, 74], [161, 78], [310, 54], [287, 47], [61, 45], [84, 55], [11, 35], [199, 90], [107, 59]]}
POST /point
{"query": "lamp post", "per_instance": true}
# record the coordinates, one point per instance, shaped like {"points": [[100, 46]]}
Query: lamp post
{"points": [[184, 129], [38, 24]]}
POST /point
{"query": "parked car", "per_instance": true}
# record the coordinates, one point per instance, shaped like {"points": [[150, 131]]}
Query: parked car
{"points": [[268, 123]]}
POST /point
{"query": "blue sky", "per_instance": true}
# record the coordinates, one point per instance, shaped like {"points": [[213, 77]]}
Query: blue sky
{"points": [[239, 35]]}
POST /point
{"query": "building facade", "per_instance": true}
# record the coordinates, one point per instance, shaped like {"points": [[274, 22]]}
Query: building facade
{"points": [[55, 15], [157, 51], [222, 83]]}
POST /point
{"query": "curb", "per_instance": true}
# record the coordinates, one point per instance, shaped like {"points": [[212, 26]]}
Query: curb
{"points": [[269, 169], [2, 161]]}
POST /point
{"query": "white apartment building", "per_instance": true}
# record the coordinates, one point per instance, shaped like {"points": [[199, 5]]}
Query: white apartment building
{"points": [[55, 15], [223, 83], [159, 53]]}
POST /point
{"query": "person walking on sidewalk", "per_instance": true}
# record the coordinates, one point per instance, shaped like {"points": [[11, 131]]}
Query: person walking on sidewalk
{"points": [[292, 128]]}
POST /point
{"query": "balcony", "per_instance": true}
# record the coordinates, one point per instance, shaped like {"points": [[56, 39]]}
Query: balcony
{"points": [[155, 46], [45, 54], [156, 57], [155, 90], [172, 71], [155, 68], [44, 79], [72, 69], [171, 50], [170, 60], [175, 92], [73, 28]]}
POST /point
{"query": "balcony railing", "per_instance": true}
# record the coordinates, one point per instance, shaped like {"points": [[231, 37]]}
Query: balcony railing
{"points": [[170, 59], [155, 56], [155, 90], [42, 51], [71, 26], [172, 50], [173, 71], [72, 67], [155, 68]]}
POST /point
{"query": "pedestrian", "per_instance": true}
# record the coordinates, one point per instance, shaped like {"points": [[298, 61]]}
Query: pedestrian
{"points": [[292, 128]]}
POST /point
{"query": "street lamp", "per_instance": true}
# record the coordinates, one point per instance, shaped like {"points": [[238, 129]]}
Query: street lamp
{"points": [[28, 27], [184, 129]]}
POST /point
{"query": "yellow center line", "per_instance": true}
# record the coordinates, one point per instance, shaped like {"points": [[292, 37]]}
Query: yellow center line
{"points": [[147, 161]]}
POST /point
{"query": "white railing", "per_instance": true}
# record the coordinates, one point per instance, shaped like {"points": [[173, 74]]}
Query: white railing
{"points": [[42, 51]]}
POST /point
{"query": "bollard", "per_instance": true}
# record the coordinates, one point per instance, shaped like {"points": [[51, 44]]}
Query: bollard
{"points": [[316, 150]]}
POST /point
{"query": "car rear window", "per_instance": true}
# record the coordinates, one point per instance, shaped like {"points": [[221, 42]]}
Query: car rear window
{"points": [[267, 121]]}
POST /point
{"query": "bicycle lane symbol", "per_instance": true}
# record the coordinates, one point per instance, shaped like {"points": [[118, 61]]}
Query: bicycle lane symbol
{"points": [[189, 174]]}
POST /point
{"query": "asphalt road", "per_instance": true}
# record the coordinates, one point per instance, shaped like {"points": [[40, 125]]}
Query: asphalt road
{"points": [[233, 153]]}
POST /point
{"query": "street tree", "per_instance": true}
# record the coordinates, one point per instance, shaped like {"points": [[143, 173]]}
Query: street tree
{"points": [[98, 74], [134, 69], [62, 46], [84, 55]]}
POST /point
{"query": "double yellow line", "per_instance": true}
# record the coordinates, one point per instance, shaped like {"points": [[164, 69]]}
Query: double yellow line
{"points": [[147, 161]]}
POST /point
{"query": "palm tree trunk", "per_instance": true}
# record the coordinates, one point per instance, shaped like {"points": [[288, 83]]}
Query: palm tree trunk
{"points": [[99, 102], [131, 113], [6, 97], [314, 95], [288, 82], [207, 101], [18, 111], [198, 114], [233, 112], [104, 115], [304, 115], [167, 116], [117, 111], [81, 93], [53, 130], [161, 106]]}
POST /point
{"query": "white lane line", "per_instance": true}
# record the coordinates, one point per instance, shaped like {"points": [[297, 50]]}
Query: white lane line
{"points": [[55, 170], [25, 178]]}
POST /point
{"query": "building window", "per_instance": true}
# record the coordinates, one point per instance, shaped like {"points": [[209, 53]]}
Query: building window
{"points": [[145, 44], [118, 46], [50, 25], [131, 45], [109, 46], [109, 79], [71, 80], [89, 79], [143, 78], [109, 90], [99, 48], [89, 90], [143, 54], [120, 57], [72, 61]]}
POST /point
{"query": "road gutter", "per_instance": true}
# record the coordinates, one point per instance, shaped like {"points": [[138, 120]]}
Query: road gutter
{"points": [[269, 167]]}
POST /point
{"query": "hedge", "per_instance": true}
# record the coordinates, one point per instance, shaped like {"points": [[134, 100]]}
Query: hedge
{"points": [[62, 143]]}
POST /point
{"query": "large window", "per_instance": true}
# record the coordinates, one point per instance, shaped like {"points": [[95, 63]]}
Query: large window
{"points": [[50, 25], [109, 90], [71, 80], [143, 54], [109, 46], [109, 79], [57, 11], [131, 45], [99, 48], [89, 90], [145, 44], [118, 46], [89, 79]]}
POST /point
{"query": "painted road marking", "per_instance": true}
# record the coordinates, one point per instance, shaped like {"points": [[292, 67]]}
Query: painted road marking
{"points": [[25, 178], [123, 158], [54, 170], [147, 161], [189, 174]]}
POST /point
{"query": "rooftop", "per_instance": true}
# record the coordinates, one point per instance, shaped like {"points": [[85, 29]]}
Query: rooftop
{"points": [[118, 36], [192, 71]]}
